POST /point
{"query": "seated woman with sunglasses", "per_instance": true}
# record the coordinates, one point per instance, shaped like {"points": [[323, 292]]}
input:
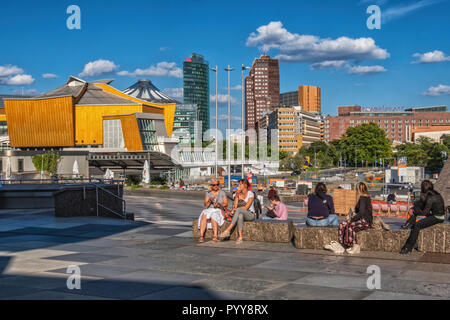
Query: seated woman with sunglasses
{"points": [[243, 210], [211, 216]]}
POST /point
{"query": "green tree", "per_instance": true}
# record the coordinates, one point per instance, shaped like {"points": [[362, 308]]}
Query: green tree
{"points": [[366, 142], [47, 162]]}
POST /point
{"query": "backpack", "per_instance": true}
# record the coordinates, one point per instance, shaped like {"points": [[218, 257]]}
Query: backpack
{"points": [[257, 206]]}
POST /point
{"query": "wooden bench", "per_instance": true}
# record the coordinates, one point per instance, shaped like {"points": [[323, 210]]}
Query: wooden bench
{"points": [[259, 231]]}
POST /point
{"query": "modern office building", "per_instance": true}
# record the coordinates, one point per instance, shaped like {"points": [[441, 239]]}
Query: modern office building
{"points": [[196, 86], [184, 124], [309, 98], [262, 90], [399, 123], [289, 99], [296, 128]]}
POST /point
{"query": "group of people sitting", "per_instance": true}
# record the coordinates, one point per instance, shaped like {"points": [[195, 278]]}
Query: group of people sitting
{"points": [[321, 213], [216, 210]]}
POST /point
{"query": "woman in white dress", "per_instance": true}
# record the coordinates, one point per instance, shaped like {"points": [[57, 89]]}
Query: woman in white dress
{"points": [[211, 217]]}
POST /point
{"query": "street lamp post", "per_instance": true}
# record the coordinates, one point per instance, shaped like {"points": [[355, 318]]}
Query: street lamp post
{"points": [[217, 121], [243, 134], [229, 69]]}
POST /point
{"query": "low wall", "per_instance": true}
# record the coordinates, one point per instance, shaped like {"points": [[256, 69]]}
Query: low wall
{"points": [[73, 201], [259, 231], [435, 239]]}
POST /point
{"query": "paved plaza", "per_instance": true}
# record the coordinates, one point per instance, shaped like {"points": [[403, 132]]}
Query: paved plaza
{"points": [[155, 257]]}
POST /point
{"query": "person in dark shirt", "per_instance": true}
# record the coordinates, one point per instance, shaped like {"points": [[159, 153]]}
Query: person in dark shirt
{"points": [[321, 208], [431, 205], [361, 221], [392, 197], [272, 191]]}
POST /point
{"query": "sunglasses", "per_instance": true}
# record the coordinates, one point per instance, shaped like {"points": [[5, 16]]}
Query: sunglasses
{"points": [[215, 185]]}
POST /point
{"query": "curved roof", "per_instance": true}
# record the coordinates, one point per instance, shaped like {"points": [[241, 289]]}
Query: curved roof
{"points": [[144, 89]]}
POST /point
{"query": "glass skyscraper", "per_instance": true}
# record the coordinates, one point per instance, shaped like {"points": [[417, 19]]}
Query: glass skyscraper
{"points": [[196, 86], [184, 123]]}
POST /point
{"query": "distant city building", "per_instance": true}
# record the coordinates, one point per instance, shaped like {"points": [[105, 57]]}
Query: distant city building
{"points": [[398, 123], [309, 98], [144, 89], [296, 128], [289, 99], [262, 90], [186, 116], [196, 86]]}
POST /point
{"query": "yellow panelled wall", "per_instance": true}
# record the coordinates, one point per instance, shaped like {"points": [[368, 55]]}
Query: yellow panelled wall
{"points": [[89, 121], [44, 122], [169, 109], [130, 130], [2, 117]]}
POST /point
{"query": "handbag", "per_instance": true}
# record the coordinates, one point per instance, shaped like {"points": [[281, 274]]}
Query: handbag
{"points": [[271, 214]]}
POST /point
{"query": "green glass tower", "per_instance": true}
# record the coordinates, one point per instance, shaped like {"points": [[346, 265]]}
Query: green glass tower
{"points": [[196, 86]]}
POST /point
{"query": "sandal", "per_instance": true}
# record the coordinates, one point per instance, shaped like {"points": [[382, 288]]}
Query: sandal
{"points": [[214, 240], [224, 234], [239, 241], [201, 239]]}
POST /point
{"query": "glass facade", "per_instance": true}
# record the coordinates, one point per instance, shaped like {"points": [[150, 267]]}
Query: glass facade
{"points": [[184, 123], [3, 128], [112, 134], [196, 86], [148, 134]]}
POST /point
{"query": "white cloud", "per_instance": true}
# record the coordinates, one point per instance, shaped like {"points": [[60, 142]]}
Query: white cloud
{"points": [[329, 64], [98, 68], [17, 80], [175, 93], [308, 48], [49, 76], [223, 100], [164, 49], [402, 10], [162, 69], [431, 57], [366, 70], [437, 91], [10, 70]]}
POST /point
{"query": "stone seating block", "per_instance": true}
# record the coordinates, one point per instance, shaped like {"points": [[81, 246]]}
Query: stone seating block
{"points": [[435, 239], [259, 231], [370, 240]]}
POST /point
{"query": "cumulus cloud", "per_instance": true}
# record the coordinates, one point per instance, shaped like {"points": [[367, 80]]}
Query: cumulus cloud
{"points": [[17, 80], [329, 64], [223, 99], [401, 10], [294, 47], [175, 93], [49, 76], [437, 91], [10, 70], [98, 68], [162, 69], [431, 57], [366, 70]]}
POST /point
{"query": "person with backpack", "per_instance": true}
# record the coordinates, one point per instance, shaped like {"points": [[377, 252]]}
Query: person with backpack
{"points": [[243, 210], [278, 209], [321, 208]]}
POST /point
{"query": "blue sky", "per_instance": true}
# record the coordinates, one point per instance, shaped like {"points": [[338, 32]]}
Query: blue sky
{"points": [[323, 43]]}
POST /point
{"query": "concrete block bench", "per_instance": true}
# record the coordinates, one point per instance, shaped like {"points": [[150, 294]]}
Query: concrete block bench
{"points": [[259, 231], [435, 239]]}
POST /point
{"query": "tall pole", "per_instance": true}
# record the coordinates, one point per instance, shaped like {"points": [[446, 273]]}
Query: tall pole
{"points": [[216, 70], [243, 134], [229, 69]]}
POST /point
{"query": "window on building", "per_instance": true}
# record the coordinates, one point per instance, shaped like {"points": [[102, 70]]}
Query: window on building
{"points": [[19, 165]]}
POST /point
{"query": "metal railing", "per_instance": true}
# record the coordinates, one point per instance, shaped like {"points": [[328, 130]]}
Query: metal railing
{"points": [[99, 205], [62, 181]]}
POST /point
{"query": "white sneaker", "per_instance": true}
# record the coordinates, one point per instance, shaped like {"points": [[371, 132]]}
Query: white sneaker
{"points": [[335, 247], [354, 250]]}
